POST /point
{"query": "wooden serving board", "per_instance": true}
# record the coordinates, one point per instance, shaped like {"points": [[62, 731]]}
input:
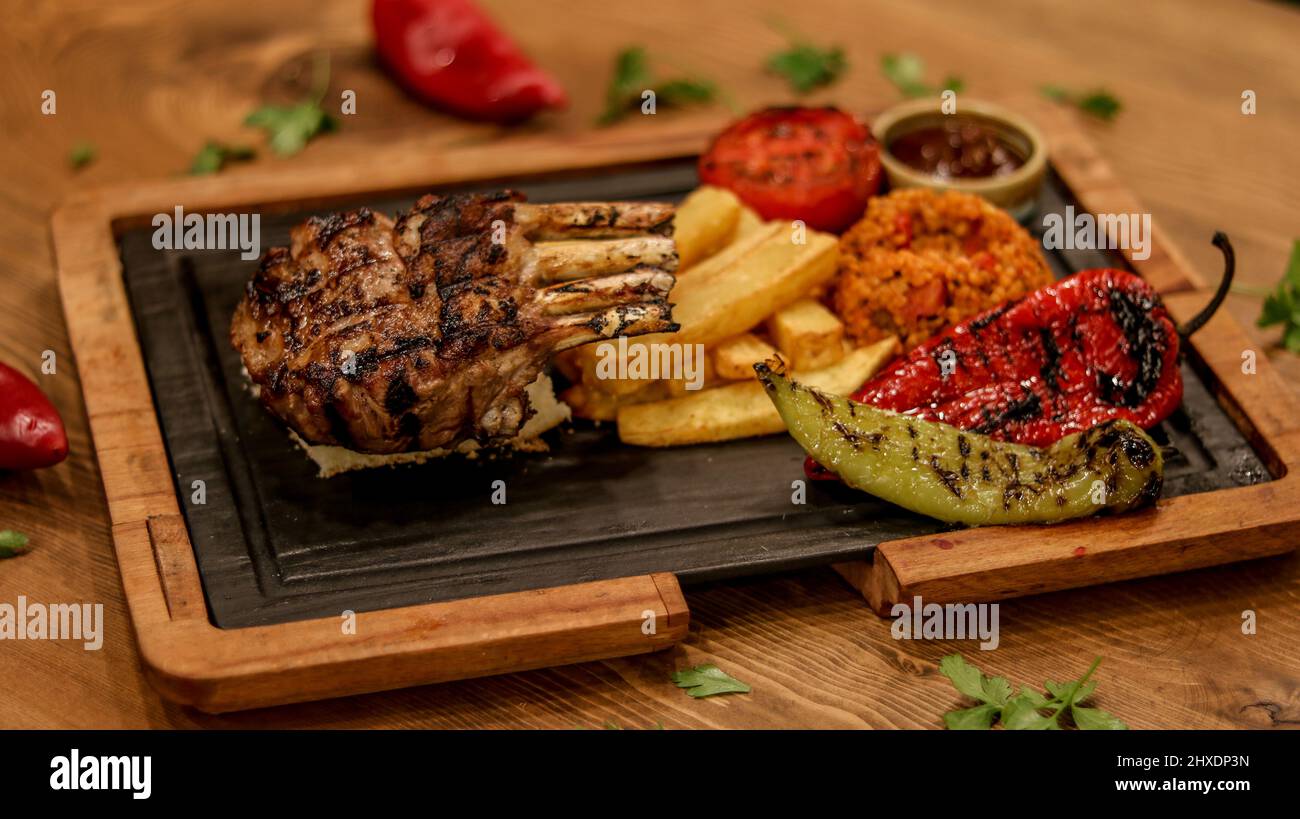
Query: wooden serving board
{"points": [[191, 660]]}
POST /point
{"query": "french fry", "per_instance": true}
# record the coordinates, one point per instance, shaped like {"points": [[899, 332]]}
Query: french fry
{"points": [[704, 224], [585, 358], [743, 409], [748, 222], [734, 359], [708, 377], [725, 259], [594, 405], [808, 335], [757, 276]]}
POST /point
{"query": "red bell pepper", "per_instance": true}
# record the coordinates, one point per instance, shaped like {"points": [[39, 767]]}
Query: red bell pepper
{"points": [[31, 431], [449, 53], [1096, 346]]}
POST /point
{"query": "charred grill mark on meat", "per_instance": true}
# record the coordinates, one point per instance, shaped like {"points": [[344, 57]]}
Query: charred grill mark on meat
{"points": [[415, 333]]}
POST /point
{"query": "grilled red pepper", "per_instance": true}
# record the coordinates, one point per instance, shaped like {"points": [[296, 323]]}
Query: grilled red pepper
{"points": [[1093, 347], [31, 431], [450, 53]]}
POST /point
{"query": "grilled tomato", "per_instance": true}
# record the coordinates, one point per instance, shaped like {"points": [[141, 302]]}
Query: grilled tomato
{"points": [[819, 165]]}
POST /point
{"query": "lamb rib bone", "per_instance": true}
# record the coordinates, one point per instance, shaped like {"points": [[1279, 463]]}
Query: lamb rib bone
{"points": [[443, 320]]}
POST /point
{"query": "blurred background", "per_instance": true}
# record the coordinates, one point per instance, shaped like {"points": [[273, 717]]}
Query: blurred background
{"points": [[144, 85]]}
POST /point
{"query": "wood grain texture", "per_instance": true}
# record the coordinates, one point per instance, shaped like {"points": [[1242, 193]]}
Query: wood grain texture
{"points": [[148, 83]]}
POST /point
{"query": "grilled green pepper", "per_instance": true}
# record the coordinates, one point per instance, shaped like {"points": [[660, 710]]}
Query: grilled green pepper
{"points": [[963, 477]]}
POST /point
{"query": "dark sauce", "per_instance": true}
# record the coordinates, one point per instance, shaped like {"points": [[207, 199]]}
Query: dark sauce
{"points": [[960, 148]]}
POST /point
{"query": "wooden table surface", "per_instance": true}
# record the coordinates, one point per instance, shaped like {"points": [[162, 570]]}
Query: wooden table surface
{"points": [[148, 82]]}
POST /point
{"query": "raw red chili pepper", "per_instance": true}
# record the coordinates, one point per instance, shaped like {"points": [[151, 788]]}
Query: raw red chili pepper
{"points": [[450, 53], [31, 431], [1093, 347]]}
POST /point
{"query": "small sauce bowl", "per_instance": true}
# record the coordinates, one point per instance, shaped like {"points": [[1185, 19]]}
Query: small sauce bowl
{"points": [[1015, 190]]}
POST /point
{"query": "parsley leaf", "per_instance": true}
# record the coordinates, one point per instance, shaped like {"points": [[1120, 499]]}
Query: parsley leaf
{"points": [[807, 67], [214, 156], [907, 72], [1277, 308], [1291, 338], [979, 718], [1095, 719], [1282, 306], [290, 127], [1099, 103], [81, 155], [1061, 690], [632, 78], [1021, 712], [1026, 711], [12, 543], [1293, 266], [967, 679], [1055, 93], [685, 92], [708, 680]]}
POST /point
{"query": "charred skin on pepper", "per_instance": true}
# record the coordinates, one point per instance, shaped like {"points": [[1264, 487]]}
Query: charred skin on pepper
{"points": [[1101, 342], [963, 477], [1096, 346]]}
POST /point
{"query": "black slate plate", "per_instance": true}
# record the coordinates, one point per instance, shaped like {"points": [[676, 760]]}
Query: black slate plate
{"points": [[275, 543]]}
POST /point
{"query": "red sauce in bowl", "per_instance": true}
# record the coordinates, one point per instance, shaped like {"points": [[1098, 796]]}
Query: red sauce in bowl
{"points": [[960, 148]]}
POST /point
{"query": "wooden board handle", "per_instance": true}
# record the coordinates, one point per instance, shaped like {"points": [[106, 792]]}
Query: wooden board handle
{"points": [[177, 572], [216, 670], [963, 567]]}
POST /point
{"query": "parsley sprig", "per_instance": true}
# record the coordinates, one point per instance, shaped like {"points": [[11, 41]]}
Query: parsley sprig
{"points": [[216, 155], [81, 155], [13, 543], [1282, 304], [907, 72], [1026, 710], [1099, 103], [632, 77], [290, 127], [708, 680], [805, 66]]}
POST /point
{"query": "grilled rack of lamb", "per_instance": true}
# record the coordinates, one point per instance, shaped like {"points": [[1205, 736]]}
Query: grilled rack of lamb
{"points": [[388, 336]]}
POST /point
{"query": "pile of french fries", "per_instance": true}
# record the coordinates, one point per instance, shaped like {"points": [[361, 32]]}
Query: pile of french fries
{"points": [[746, 290]]}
